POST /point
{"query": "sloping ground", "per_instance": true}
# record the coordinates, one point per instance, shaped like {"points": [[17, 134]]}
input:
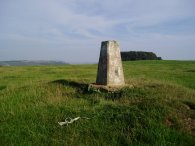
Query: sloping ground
{"points": [[31, 63], [158, 108]]}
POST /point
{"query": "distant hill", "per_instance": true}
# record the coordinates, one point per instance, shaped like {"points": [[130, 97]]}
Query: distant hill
{"points": [[139, 55], [30, 63]]}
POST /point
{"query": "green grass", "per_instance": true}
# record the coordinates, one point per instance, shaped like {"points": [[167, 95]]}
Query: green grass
{"points": [[158, 110]]}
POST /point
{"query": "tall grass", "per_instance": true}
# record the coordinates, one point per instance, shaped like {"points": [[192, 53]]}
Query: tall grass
{"points": [[158, 110]]}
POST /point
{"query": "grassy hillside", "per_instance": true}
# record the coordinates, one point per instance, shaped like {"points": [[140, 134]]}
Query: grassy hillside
{"points": [[30, 63], [158, 110]]}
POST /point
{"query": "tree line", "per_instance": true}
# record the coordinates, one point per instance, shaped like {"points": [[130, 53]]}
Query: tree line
{"points": [[138, 55]]}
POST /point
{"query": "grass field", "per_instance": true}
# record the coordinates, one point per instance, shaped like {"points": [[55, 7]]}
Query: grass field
{"points": [[158, 110]]}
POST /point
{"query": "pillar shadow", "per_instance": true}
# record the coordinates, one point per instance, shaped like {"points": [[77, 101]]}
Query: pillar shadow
{"points": [[80, 86], [85, 89]]}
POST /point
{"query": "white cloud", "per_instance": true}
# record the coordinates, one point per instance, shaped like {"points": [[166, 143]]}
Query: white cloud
{"points": [[80, 25]]}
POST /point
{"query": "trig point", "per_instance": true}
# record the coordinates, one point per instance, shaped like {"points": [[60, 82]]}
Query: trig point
{"points": [[110, 70]]}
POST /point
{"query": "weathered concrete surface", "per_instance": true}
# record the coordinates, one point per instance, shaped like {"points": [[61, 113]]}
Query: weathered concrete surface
{"points": [[110, 70]]}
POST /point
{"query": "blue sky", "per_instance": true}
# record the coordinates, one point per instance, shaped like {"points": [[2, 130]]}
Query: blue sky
{"points": [[72, 30]]}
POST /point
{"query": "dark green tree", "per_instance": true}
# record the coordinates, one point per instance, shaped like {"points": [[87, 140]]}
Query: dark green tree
{"points": [[139, 55]]}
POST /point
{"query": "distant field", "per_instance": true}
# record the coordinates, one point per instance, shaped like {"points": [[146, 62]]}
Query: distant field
{"points": [[158, 110]]}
